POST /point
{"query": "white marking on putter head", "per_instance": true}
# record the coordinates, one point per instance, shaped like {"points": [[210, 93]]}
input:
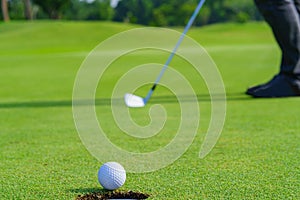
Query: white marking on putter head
{"points": [[134, 101]]}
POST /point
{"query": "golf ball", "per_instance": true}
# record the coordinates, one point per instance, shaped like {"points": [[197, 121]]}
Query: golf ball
{"points": [[111, 175]]}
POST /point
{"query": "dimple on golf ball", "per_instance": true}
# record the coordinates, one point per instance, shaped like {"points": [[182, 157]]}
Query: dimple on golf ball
{"points": [[111, 175]]}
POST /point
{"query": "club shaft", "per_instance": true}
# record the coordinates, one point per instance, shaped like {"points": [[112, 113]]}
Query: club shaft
{"points": [[188, 26]]}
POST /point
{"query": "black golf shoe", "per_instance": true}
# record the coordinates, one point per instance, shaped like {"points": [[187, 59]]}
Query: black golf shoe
{"points": [[280, 86]]}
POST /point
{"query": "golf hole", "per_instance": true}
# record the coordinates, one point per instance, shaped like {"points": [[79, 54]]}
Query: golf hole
{"points": [[113, 195]]}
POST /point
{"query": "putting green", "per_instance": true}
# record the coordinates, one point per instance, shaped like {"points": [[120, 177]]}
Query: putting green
{"points": [[42, 157]]}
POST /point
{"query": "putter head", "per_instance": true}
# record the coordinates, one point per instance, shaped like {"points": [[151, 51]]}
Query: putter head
{"points": [[134, 101]]}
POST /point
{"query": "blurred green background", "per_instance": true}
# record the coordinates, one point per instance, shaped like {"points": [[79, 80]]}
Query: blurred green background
{"points": [[149, 12]]}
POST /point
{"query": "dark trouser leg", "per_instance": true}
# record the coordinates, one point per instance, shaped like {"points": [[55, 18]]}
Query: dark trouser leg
{"points": [[284, 19]]}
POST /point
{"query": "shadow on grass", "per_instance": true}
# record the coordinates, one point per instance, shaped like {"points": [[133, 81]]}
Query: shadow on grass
{"points": [[88, 190], [107, 101]]}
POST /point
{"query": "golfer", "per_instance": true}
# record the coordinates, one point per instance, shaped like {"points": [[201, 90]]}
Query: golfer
{"points": [[283, 16]]}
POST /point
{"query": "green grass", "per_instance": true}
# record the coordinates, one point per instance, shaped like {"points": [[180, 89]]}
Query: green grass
{"points": [[42, 157]]}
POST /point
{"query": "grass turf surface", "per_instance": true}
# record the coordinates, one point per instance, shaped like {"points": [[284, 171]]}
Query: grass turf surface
{"points": [[42, 157]]}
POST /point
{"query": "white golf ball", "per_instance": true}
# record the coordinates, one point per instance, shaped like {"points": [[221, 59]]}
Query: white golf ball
{"points": [[111, 175]]}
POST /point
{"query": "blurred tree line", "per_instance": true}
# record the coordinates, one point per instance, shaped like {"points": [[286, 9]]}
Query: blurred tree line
{"points": [[146, 12]]}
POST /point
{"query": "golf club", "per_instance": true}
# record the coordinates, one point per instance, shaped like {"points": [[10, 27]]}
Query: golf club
{"points": [[134, 101]]}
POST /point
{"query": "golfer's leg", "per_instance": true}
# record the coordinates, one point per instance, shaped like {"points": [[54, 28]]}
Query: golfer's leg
{"points": [[283, 17], [297, 4]]}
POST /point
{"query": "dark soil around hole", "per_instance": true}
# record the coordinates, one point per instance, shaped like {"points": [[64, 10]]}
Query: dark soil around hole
{"points": [[113, 195]]}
